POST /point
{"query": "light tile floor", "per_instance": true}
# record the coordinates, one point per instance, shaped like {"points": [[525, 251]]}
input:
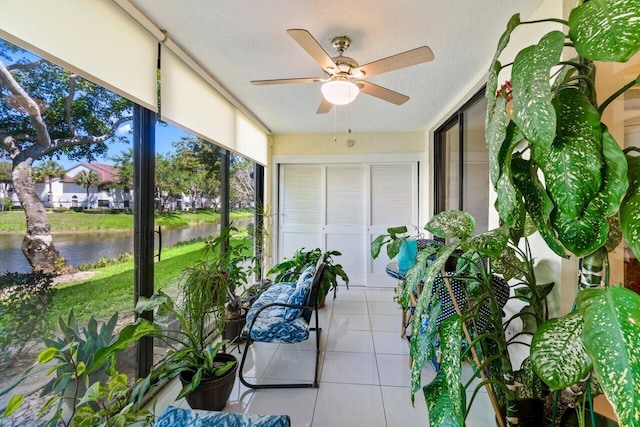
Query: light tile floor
{"points": [[364, 371]]}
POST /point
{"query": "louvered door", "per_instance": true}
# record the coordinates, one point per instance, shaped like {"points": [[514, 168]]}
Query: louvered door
{"points": [[344, 207], [393, 199]]}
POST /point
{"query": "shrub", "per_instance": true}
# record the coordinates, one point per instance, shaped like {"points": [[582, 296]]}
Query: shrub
{"points": [[6, 204], [24, 301]]}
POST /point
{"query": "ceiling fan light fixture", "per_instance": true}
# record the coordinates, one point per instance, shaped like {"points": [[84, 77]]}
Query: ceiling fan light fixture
{"points": [[339, 92]]}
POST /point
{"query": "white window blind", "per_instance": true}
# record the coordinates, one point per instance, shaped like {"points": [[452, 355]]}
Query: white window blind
{"points": [[94, 39]]}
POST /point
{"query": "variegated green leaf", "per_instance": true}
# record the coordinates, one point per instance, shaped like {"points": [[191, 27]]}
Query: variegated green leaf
{"points": [[572, 164], [606, 30], [524, 293], [451, 223], [509, 200], [430, 273], [630, 208], [444, 395], [495, 133], [611, 336], [536, 201], [591, 230], [584, 235], [507, 264], [490, 243], [532, 109], [615, 233], [614, 175], [414, 275], [557, 353], [492, 81], [424, 337]]}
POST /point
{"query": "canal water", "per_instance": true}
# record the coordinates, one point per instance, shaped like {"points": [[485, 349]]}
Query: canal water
{"points": [[83, 248]]}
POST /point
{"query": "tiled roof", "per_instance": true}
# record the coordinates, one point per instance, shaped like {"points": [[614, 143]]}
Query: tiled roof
{"points": [[108, 174]]}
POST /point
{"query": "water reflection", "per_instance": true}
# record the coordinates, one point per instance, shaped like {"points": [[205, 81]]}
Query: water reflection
{"points": [[80, 248]]}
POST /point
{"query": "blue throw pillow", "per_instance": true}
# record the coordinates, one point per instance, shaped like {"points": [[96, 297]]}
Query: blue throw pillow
{"points": [[298, 297], [307, 274]]}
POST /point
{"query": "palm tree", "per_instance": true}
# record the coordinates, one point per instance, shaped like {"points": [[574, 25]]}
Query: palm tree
{"points": [[87, 178], [47, 172]]}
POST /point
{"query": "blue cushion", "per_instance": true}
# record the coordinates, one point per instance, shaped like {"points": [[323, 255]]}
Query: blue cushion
{"points": [[297, 297], [271, 325], [180, 417], [307, 274]]}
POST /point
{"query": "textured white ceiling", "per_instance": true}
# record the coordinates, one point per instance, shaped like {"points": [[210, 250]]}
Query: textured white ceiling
{"points": [[242, 40]]}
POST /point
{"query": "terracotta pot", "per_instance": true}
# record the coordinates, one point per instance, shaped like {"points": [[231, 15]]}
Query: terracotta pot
{"points": [[212, 394]]}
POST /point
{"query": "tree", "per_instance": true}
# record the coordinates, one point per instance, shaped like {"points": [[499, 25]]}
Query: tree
{"points": [[87, 179], [46, 111], [242, 184], [5, 178], [49, 170], [202, 160]]}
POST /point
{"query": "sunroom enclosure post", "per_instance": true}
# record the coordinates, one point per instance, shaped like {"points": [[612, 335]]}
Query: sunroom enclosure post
{"points": [[225, 165], [258, 197], [143, 211]]}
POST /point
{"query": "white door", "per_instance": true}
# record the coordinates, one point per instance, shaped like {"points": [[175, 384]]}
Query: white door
{"points": [[393, 202], [343, 207]]}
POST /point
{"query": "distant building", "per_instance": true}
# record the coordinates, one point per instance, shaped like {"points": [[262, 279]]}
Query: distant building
{"points": [[66, 193]]}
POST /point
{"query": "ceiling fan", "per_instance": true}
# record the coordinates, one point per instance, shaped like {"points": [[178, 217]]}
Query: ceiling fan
{"points": [[342, 74]]}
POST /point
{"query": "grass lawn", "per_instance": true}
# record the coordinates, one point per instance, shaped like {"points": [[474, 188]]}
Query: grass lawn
{"points": [[111, 289], [70, 221]]}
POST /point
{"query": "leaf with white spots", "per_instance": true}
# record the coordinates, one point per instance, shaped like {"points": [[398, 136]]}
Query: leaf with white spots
{"points": [[611, 336], [536, 201], [606, 30], [532, 109], [557, 353], [630, 208], [572, 164], [490, 243], [451, 223], [444, 395]]}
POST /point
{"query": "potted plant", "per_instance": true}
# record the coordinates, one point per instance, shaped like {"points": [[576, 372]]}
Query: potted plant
{"points": [[469, 283], [207, 374], [303, 258], [555, 165], [554, 160]]}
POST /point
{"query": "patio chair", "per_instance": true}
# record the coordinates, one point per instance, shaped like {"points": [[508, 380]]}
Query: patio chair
{"points": [[282, 315]]}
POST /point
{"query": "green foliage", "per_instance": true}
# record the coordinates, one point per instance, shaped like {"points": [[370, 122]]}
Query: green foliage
{"points": [[393, 240], [612, 337], [90, 386], [25, 303], [477, 259], [568, 173], [287, 269]]}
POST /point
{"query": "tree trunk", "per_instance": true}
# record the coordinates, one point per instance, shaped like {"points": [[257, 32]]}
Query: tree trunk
{"points": [[37, 245]]}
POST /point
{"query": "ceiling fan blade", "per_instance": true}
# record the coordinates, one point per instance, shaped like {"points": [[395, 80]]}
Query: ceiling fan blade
{"points": [[325, 106], [382, 93], [401, 60], [282, 81], [313, 48]]}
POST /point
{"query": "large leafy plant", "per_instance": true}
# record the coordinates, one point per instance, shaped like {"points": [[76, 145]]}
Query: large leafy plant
{"points": [[552, 161], [478, 322], [288, 269]]}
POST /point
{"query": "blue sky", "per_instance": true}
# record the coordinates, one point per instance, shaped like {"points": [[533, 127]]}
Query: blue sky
{"points": [[165, 135]]}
